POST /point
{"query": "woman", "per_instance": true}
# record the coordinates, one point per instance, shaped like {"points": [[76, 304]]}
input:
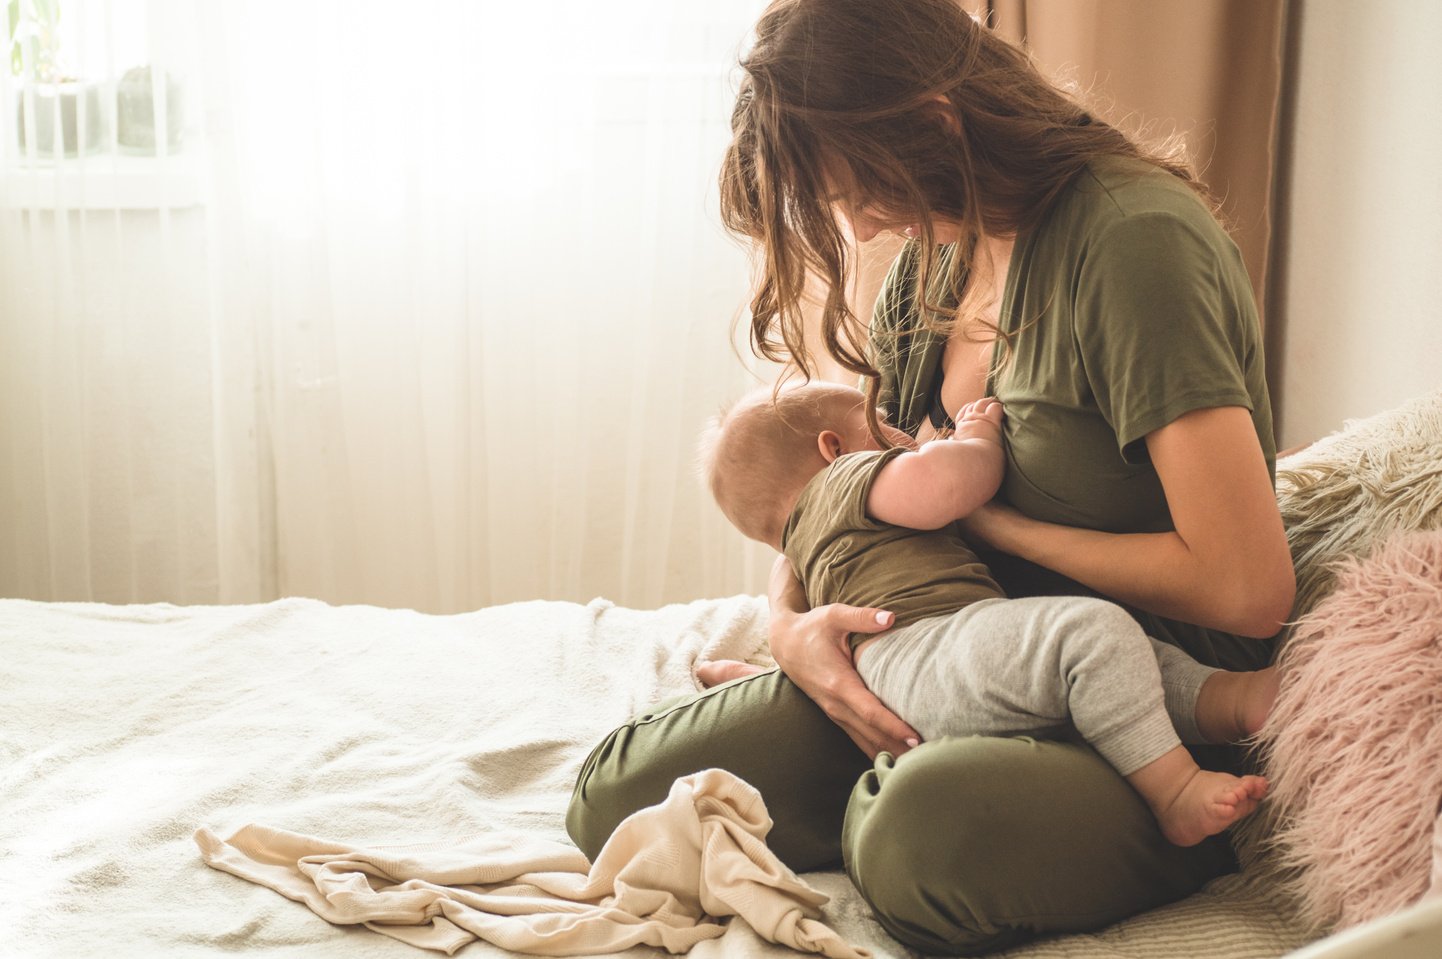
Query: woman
{"points": [[1082, 280]]}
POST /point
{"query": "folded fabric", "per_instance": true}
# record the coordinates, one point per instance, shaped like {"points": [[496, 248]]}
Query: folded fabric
{"points": [[666, 878]]}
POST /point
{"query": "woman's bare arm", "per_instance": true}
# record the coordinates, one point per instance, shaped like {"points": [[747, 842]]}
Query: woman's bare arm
{"points": [[943, 480], [1226, 566]]}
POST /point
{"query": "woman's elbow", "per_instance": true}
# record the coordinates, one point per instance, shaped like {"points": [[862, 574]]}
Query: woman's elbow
{"points": [[1264, 602]]}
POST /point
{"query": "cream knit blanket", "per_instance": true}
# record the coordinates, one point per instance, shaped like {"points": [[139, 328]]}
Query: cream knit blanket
{"points": [[122, 728], [664, 878]]}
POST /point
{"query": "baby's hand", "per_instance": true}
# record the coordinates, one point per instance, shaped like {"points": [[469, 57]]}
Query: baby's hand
{"points": [[980, 420]]}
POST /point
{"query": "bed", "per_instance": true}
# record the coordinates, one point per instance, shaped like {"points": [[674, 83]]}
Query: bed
{"points": [[125, 729]]}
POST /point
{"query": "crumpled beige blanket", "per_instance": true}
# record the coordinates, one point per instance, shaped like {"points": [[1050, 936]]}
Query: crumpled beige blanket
{"points": [[666, 878]]}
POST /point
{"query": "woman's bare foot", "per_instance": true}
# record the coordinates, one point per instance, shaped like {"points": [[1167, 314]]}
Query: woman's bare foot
{"points": [[1191, 803], [1208, 803], [1233, 706], [721, 671]]}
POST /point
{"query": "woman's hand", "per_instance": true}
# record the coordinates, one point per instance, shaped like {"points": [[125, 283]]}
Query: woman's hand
{"points": [[812, 648]]}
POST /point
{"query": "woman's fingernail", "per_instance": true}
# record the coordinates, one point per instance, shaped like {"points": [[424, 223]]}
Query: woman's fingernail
{"points": [[913, 743], [882, 618]]}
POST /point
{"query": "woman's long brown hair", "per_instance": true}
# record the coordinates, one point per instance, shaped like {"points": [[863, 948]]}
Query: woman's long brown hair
{"points": [[916, 111]]}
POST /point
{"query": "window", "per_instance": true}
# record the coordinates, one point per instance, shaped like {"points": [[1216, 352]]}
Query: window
{"points": [[97, 107]]}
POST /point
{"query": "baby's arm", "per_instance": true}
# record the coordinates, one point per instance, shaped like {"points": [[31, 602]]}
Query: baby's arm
{"points": [[946, 479]]}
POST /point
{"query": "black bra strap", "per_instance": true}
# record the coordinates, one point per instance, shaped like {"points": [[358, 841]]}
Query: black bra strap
{"points": [[940, 418]]}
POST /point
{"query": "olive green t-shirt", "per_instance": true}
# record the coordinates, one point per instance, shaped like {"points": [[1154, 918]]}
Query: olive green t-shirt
{"points": [[1128, 306], [842, 555]]}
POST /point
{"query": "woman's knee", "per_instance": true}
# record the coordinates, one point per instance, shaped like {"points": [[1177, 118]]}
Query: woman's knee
{"points": [[916, 838], [969, 845], [633, 767], [598, 799], [763, 729]]}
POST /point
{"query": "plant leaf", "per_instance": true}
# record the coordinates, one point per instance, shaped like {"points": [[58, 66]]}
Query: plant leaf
{"points": [[48, 12]]}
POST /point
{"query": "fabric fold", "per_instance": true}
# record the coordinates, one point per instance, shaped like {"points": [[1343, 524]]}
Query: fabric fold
{"points": [[669, 877]]}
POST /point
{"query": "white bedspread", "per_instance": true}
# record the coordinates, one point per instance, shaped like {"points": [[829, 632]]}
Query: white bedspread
{"points": [[123, 729]]}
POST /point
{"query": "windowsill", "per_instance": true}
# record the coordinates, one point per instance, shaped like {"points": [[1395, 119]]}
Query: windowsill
{"points": [[102, 181]]}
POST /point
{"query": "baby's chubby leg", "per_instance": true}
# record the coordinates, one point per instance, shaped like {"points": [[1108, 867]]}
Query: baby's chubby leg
{"points": [[1111, 682]]}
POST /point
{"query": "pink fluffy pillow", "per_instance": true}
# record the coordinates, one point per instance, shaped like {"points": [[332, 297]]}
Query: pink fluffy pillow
{"points": [[1354, 745]]}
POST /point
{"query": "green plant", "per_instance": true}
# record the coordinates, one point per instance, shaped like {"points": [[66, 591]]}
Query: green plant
{"points": [[35, 24]]}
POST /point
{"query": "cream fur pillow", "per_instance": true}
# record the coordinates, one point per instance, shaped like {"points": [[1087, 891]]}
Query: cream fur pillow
{"points": [[1348, 492]]}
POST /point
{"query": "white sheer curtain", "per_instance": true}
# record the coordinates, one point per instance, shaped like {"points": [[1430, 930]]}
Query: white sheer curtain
{"points": [[423, 307]]}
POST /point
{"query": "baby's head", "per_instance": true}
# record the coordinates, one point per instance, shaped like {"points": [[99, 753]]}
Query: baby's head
{"points": [[759, 454]]}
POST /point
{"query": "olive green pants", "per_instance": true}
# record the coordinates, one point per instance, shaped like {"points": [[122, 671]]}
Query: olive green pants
{"points": [[962, 846]]}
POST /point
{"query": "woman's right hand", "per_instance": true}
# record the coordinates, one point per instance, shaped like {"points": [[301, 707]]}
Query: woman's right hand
{"points": [[813, 650]]}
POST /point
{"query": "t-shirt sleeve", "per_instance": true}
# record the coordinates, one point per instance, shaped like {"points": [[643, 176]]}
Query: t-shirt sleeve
{"points": [[1157, 326], [848, 483]]}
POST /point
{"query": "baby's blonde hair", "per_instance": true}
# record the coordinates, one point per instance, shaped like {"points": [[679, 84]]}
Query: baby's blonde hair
{"points": [[757, 454]]}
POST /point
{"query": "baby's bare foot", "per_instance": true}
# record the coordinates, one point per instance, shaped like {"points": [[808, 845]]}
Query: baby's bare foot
{"points": [[1209, 803], [721, 671]]}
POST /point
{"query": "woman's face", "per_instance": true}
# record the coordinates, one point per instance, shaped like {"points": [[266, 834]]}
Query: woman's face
{"points": [[864, 223]]}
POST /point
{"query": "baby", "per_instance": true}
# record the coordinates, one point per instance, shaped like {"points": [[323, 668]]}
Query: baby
{"points": [[868, 527]]}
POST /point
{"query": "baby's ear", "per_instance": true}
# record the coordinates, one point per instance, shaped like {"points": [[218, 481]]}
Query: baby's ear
{"points": [[830, 445]]}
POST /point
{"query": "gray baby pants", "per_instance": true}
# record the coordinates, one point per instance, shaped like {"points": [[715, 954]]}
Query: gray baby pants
{"points": [[1010, 667]]}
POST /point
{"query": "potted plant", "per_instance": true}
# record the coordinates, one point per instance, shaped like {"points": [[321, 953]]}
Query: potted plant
{"points": [[135, 112], [56, 113]]}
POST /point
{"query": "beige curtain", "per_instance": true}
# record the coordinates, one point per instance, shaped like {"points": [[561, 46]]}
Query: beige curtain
{"points": [[1209, 71]]}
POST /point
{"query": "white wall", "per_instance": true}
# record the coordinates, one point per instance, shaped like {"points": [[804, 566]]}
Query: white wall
{"points": [[1363, 223]]}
